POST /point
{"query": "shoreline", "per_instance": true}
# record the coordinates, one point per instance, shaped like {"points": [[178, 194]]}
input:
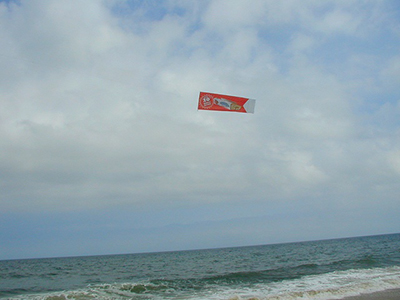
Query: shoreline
{"points": [[391, 294]]}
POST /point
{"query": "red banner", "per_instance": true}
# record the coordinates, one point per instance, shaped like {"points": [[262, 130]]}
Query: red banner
{"points": [[211, 101]]}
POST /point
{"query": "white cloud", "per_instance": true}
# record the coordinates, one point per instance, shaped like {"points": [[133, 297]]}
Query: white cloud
{"points": [[222, 16], [339, 21]]}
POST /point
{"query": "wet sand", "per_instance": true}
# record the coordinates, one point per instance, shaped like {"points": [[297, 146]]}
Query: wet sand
{"points": [[384, 295]]}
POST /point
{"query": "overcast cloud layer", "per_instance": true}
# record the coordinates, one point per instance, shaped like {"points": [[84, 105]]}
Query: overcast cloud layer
{"points": [[102, 149]]}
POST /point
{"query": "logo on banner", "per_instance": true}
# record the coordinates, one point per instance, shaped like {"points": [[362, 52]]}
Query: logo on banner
{"points": [[207, 101]]}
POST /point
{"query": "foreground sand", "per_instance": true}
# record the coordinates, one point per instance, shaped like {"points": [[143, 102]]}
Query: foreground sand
{"points": [[384, 295]]}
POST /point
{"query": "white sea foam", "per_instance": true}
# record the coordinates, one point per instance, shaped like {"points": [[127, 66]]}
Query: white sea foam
{"points": [[334, 285]]}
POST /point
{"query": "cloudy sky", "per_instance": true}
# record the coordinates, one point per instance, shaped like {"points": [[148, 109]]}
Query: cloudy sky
{"points": [[103, 150]]}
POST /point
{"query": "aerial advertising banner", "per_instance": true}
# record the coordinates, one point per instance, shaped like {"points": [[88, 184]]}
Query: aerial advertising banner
{"points": [[211, 101]]}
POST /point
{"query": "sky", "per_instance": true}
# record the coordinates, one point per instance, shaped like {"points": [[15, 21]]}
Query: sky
{"points": [[103, 150]]}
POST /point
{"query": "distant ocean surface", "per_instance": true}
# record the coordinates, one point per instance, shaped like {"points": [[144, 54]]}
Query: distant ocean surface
{"points": [[329, 269]]}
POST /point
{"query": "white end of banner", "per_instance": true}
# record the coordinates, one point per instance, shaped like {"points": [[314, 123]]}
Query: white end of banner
{"points": [[249, 105]]}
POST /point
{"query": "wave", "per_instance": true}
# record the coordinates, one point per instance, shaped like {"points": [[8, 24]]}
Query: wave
{"points": [[294, 272], [333, 285], [269, 275]]}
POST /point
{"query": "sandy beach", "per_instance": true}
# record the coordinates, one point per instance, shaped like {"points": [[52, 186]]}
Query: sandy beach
{"points": [[393, 294]]}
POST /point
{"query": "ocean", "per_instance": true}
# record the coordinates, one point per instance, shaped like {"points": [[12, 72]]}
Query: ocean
{"points": [[327, 269]]}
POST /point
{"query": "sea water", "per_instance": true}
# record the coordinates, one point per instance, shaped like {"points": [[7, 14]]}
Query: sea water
{"points": [[328, 269]]}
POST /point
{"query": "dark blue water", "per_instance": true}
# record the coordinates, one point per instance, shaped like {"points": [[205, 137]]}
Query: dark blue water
{"points": [[329, 269]]}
